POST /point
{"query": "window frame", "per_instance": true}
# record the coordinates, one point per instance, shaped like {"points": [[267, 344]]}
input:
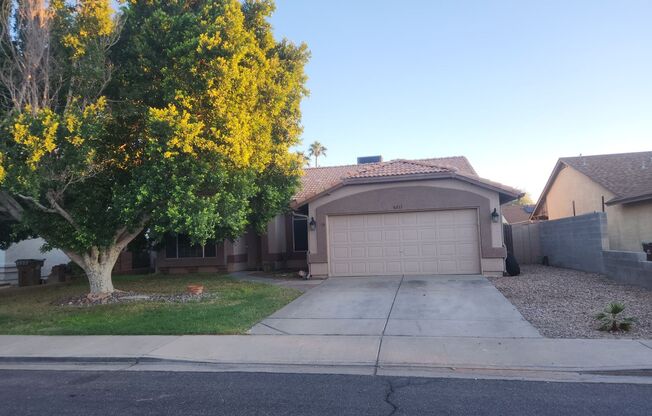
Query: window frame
{"points": [[203, 251]]}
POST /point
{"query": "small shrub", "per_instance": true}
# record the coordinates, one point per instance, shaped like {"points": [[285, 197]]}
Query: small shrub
{"points": [[612, 320]]}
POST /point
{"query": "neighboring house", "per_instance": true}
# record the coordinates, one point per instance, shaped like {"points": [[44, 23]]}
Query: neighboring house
{"points": [[28, 249], [515, 214], [426, 216], [618, 184]]}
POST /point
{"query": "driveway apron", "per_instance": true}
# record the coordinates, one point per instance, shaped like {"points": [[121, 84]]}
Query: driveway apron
{"points": [[413, 306]]}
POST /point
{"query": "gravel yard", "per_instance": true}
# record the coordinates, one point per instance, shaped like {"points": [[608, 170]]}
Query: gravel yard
{"points": [[561, 303]]}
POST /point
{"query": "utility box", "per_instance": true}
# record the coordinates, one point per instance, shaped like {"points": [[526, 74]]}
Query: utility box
{"points": [[29, 272]]}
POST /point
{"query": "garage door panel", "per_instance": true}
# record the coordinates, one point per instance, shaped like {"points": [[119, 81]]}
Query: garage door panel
{"points": [[429, 250], [447, 233], [425, 218], [357, 236], [432, 242], [392, 235], [358, 268], [340, 253], [390, 219], [375, 221], [411, 267], [392, 251], [412, 251], [393, 267], [409, 218], [429, 267], [340, 237], [338, 223], [340, 269], [466, 232], [445, 217], [428, 234], [467, 266], [448, 267], [461, 249], [357, 221], [446, 249], [376, 235], [410, 235]]}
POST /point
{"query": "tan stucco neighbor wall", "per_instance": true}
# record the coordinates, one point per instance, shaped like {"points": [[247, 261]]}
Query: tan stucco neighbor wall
{"points": [[571, 185], [627, 225], [434, 194]]}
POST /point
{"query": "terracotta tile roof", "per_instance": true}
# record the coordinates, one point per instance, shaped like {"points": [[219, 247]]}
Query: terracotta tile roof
{"points": [[627, 175], [399, 167], [458, 163], [318, 180], [517, 213]]}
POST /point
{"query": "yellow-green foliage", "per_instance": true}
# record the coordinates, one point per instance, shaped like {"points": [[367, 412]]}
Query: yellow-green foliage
{"points": [[93, 20], [236, 96], [3, 173], [36, 133], [40, 133]]}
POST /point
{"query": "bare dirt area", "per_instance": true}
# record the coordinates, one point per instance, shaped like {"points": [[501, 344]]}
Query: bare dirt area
{"points": [[561, 303]]}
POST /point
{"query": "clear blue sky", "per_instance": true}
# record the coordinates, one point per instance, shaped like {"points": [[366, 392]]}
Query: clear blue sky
{"points": [[512, 85]]}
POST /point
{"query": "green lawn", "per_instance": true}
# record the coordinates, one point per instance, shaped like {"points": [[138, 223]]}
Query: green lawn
{"points": [[237, 306]]}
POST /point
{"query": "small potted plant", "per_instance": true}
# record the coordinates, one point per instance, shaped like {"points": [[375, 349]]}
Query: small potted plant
{"points": [[195, 289], [647, 248]]}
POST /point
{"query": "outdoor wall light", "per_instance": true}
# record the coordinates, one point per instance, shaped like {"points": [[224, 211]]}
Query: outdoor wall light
{"points": [[313, 224], [495, 216]]}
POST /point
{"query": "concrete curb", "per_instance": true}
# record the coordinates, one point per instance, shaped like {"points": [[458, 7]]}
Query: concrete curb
{"points": [[146, 364]]}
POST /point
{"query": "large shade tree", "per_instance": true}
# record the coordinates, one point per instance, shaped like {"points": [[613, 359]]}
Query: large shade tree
{"points": [[170, 115]]}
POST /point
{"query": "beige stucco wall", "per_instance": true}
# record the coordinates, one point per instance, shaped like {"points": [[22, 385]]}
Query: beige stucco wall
{"points": [[628, 225], [492, 266], [571, 185], [276, 235]]}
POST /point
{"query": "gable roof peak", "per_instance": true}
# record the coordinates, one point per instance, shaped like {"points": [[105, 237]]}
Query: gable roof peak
{"points": [[318, 180]]}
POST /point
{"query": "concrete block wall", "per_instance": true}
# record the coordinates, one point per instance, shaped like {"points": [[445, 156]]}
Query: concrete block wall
{"points": [[628, 267], [575, 242]]}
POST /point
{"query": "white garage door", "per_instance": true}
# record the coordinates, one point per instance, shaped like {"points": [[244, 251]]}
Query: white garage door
{"points": [[431, 242]]}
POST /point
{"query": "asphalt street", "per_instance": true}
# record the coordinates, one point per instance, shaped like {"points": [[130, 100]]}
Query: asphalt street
{"points": [[177, 393]]}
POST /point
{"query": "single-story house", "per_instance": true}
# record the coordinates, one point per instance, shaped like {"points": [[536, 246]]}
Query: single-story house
{"points": [[618, 184], [425, 216], [516, 214]]}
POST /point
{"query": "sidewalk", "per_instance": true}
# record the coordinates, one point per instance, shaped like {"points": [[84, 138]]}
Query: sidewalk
{"points": [[389, 355]]}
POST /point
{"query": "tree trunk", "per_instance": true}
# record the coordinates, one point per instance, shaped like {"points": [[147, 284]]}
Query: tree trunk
{"points": [[98, 262], [99, 278], [98, 265]]}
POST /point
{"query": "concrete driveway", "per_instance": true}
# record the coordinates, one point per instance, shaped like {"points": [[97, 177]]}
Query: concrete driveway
{"points": [[421, 306]]}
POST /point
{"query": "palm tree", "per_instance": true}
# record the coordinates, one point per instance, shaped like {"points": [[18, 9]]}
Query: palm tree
{"points": [[612, 320], [317, 149]]}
